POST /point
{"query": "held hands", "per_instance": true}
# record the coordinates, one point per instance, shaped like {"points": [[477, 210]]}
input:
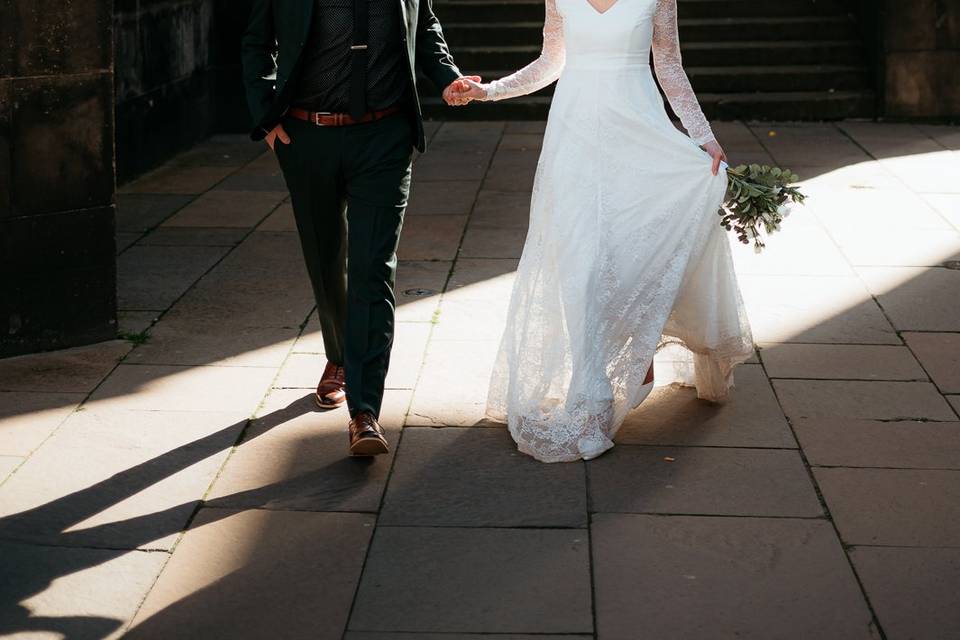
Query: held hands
{"points": [[716, 152], [463, 90]]}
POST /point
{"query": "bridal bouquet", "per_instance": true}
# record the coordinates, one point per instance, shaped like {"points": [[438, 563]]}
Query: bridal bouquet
{"points": [[757, 196]]}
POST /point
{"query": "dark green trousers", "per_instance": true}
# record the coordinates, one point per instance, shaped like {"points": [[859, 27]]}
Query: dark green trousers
{"points": [[349, 188]]}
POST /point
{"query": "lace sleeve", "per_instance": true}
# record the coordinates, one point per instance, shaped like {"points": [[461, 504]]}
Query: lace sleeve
{"points": [[542, 71], [673, 79]]}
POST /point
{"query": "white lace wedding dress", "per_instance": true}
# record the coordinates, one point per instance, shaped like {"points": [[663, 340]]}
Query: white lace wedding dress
{"points": [[624, 253]]}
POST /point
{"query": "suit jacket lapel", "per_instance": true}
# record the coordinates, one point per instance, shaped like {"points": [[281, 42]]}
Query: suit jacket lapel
{"points": [[306, 13], [403, 14]]}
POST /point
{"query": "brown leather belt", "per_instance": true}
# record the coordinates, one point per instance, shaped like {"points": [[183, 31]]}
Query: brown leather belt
{"points": [[326, 119]]}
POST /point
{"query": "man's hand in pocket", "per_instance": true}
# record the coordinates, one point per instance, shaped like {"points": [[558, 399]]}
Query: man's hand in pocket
{"points": [[278, 132]]}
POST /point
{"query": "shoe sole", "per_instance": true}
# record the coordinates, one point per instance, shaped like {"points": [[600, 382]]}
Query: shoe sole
{"points": [[326, 406], [369, 447]]}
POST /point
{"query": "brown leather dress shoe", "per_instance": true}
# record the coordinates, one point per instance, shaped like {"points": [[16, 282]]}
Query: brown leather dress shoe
{"points": [[366, 436], [331, 392]]}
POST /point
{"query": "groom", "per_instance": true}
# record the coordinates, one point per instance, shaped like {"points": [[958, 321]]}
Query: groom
{"points": [[332, 90]]}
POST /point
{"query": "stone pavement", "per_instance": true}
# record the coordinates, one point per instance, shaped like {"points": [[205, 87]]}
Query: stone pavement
{"points": [[178, 483]]}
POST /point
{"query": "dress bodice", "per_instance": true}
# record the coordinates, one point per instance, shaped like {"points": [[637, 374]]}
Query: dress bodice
{"points": [[575, 34], [620, 36]]}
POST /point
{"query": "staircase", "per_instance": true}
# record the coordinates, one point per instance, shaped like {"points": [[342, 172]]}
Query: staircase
{"points": [[751, 59]]}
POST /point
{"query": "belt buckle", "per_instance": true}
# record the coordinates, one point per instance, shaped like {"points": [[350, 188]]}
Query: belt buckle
{"points": [[317, 115]]}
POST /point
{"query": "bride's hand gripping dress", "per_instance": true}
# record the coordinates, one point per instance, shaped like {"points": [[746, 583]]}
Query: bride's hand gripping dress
{"points": [[624, 255]]}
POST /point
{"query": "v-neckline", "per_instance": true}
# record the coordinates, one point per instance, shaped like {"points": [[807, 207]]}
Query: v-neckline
{"points": [[605, 11]]}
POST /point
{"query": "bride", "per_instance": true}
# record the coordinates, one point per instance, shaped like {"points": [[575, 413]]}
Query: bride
{"points": [[625, 255]]}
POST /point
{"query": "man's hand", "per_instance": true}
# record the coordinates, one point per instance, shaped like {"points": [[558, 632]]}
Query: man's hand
{"points": [[716, 152], [454, 94], [278, 132]]}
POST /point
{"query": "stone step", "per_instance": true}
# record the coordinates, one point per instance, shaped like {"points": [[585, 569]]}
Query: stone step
{"points": [[789, 105], [753, 79], [490, 34], [792, 105], [739, 8], [695, 54], [778, 78], [506, 11], [501, 11]]}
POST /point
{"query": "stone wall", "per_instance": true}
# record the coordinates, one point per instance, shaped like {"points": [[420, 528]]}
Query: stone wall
{"points": [[914, 48], [921, 58], [57, 267], [177, 77]]}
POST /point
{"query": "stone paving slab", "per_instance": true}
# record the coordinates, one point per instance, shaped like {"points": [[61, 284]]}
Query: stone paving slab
{"points": [[486, 279], [874, 212], [418, 288], [438, 403], [914, 298], [281, 219], [153, 277], [525, 126], [814, 309], [135, 321], [138, 212], [227, 209], [502, 209], [472, 319], [441, 197], [955, 402], [763, 578], [8, 464], [913, 591], [77, 370], [193, 237], [701, 480], [521, 141], [476, 478], [939, 353], [235, 572], [841, 361], [674, 416], [421, 579], [179, 340], [481, 241], [840, 442], [792, 257], [386, 635], [904, 507], [171, 179], [229, 150], [125, 240], [293, 457], [437, 239], [26, 418], [117, 479], [947, 205], [268, 178], [165, 387], [57, 592], [859, 176], [900, 247], [242, 290], [858, 399]]}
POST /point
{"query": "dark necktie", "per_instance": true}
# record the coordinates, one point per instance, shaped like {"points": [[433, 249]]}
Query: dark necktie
{"points": [[358, 74]]}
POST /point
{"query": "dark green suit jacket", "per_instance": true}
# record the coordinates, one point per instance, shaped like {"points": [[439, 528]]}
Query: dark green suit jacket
{"points": [[277, 33]]}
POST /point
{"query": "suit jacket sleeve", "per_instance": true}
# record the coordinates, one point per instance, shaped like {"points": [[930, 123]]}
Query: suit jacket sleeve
{"points": [[259, 48], [433, 54]]}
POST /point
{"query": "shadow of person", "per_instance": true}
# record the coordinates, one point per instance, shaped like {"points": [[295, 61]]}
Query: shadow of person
{"points": [[27, 572]]}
